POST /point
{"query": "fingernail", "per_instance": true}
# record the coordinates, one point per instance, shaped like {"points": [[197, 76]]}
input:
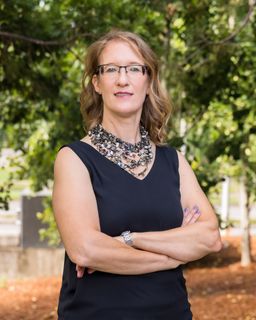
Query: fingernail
{"points": [[185, 211], [196, 209]]}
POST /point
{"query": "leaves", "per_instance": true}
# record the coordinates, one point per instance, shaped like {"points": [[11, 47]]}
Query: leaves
{"points": [[207, 56]]}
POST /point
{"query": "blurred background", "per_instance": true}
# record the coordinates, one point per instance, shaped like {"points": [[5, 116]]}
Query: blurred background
{"points": [[207, 53]]}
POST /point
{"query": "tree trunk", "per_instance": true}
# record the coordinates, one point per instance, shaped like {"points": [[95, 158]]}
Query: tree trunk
{"points": [[225, 204], [245, 225]]}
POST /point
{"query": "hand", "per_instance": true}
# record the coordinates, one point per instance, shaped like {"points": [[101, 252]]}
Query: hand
{"points": [[190, 216], [80, 271]]}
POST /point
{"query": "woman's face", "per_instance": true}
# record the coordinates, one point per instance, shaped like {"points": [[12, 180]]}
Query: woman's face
{"points": [[122, 92]]}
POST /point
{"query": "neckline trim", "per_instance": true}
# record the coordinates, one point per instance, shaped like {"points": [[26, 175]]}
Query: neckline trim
{"points": [[123, 170]]}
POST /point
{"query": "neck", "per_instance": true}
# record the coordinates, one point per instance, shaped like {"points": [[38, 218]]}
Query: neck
{"points": [[128, 131]]}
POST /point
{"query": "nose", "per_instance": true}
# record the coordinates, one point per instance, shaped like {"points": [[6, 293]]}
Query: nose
{"points": [[122, 77]]}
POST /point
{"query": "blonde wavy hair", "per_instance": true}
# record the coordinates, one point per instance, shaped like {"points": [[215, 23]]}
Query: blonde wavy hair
{"points": [[156, 107]]}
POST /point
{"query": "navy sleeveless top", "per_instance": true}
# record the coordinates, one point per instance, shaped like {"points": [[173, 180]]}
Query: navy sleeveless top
{"points": [[127, 203]]}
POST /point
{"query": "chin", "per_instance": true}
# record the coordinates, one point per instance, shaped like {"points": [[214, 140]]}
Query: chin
{"points": [[125, 109], [130, 109]]}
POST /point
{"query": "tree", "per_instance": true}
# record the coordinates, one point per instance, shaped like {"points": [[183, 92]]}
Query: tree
{"points": [[206, 49]]}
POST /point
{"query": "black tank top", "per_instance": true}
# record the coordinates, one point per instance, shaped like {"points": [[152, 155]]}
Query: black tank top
{"points": [[127, 203]]}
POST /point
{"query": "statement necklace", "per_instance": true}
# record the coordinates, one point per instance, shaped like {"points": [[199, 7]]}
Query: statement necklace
{"points": [[126, 155]]}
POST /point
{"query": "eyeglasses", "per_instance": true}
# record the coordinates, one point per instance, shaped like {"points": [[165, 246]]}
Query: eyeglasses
{"points": [[112, 70]]}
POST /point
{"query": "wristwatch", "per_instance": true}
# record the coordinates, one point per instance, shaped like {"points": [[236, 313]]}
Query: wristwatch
{"points": [[127, 236]]}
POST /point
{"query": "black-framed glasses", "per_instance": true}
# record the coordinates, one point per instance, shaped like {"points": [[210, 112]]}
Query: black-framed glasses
{"points": [[113, 70]]}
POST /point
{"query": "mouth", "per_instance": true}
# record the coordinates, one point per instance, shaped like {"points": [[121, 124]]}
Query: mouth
{"points": [[123, 94]]}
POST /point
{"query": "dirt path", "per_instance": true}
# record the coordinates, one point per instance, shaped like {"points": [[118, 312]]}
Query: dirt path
{"points": [[219, 289]]}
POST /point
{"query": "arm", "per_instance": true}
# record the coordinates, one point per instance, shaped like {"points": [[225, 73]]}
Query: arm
{"points": [[189, 217], [192, 241], [76, 214]]}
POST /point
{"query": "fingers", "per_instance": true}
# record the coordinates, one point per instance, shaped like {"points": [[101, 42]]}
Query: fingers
{"points": [[190, 215], [196, 214], [186, 216], [80, 271], [90, 271]]}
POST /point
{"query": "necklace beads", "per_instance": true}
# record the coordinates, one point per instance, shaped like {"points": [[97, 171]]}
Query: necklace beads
{"points": [[126, 155]]}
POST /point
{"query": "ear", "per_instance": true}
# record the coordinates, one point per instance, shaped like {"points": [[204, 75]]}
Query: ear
{"points": [[95, 82]]}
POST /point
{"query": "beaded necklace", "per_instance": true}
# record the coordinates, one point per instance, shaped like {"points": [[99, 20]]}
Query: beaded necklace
{"points": [[124, 154]]}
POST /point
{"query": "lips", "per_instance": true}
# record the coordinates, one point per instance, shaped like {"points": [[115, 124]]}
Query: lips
{"points": [[123, 94]]}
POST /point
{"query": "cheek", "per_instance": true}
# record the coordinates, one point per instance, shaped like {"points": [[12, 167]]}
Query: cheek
{"points": [[146, 85], [106, 87], [144, 89]]}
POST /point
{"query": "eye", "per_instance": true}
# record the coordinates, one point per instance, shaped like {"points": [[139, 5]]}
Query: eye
{"points": [[110, 68], [135, 69]]}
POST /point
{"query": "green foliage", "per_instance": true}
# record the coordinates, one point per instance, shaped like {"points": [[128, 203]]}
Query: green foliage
{"points": [[51, 233], [207, 54], [5, 196]]}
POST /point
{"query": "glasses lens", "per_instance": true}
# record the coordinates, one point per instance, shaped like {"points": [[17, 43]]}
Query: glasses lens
{"points": [[134, 69], [110, 68]]}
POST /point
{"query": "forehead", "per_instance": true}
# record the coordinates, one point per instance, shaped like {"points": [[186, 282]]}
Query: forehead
{"points": [[121, 53]]}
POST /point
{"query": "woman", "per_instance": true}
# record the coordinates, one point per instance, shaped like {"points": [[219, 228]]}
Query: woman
{"points": [[119, 195]]}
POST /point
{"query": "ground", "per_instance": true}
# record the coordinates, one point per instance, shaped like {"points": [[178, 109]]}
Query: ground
{"points": [[219, 289]]}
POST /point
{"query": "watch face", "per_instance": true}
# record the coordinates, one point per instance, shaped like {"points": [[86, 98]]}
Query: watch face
{"points": [[127, 237]]}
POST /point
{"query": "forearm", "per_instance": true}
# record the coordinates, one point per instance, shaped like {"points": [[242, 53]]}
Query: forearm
{"points": [[187, 243], [107, 254]]}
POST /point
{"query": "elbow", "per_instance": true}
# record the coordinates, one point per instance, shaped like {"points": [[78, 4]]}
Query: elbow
{"points": [[215, 243], [80, 256], [83, 252], [80, 260]]}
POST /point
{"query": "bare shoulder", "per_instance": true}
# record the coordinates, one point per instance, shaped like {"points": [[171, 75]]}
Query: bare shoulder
{"points": [[184, 166], [180, 156], [68, 163], [66, 157]]}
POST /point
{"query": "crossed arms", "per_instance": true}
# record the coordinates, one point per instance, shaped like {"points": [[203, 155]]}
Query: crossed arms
{"points": [[76, 214]]}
